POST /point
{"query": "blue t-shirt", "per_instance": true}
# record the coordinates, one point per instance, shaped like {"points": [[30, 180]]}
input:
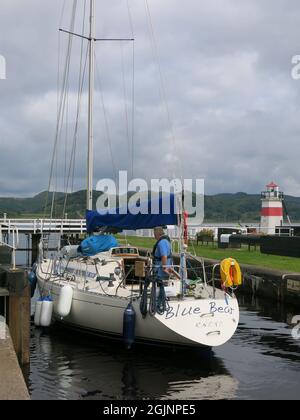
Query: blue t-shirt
{"points": [[163, 250]]}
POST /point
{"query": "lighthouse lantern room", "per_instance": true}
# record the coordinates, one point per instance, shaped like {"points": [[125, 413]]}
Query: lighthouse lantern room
{"points": [[272, 209]]}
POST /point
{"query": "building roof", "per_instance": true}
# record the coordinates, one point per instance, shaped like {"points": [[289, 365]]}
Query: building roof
{"points": [[272, 185]]}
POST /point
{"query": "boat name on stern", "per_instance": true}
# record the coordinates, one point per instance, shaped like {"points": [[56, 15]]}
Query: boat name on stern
{"points": [[179, 311]]}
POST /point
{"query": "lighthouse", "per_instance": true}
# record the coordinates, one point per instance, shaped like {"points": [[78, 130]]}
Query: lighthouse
{"points": [[272, 209]]}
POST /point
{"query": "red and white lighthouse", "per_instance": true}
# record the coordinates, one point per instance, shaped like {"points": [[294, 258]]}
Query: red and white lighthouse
{"points": [[272, 209]]}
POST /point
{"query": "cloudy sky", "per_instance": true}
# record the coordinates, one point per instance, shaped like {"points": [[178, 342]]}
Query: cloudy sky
{"points": [[233, 106]]}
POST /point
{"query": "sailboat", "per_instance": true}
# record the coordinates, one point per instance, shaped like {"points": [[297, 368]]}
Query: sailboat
{"points": [[114, 293]]}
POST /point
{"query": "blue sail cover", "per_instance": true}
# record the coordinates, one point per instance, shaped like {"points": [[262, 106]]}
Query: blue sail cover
{"points": [[95, 244], [157, 216]]}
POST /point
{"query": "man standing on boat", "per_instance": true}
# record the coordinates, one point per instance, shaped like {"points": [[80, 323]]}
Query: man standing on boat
{"points": [[162, 255]]}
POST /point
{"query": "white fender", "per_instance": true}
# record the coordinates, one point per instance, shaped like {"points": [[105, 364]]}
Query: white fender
{"points": [[46, 313], [64, 303], [37, 314]]}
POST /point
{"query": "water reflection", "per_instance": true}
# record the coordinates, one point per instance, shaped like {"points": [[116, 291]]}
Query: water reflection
{"points": [[68, 366], [267, 326], [261, 361], [263, 356]]}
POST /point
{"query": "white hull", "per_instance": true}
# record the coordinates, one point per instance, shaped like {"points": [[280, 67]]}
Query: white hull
{"points": [[188, 322]]}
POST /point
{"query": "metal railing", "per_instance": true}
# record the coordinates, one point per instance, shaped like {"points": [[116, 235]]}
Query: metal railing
{"points": [[272, 195], [12, 231], [40, 226]]}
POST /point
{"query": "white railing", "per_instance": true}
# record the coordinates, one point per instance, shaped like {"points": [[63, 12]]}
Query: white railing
{"points": [[40, 226], [14, 232]]}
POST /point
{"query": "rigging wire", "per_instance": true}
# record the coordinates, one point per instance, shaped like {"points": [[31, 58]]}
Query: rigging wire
{"points": [[133, 89], [125, 104], [105, 115], [71, 169], [163, 94], [62, 104], [63, 115], [61, 111], [163, 91], [66, 137], [85, 66], [59, 58], [131, 147], [129, 124], [81, 78], [133, 111]]}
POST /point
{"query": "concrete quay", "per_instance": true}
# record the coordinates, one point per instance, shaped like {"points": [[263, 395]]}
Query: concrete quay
{"points": [[12, 383]]}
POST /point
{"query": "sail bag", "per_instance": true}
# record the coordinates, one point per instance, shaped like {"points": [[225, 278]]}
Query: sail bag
{"points": [[95, 244]]}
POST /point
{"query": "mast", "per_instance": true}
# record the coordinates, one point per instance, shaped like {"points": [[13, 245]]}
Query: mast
{"points": [[90, 157], [90, 154]]}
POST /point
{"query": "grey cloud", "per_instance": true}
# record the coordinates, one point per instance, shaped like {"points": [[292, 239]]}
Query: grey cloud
{"points": [[233, 104]]}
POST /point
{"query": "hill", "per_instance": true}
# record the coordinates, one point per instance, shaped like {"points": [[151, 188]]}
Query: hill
{"points": [[218, 208]]}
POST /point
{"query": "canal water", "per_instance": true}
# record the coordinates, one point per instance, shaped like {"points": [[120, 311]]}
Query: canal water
{"points": [[262, 361]]}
